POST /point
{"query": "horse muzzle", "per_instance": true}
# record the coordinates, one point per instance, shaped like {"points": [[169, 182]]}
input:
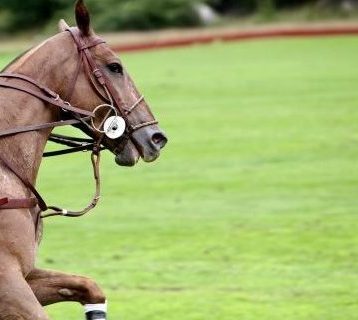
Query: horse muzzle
{"points": [[145, 143], [149, 141]]}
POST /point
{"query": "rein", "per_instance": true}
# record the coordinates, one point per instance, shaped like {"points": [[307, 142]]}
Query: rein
{"points": [[72, 116]]}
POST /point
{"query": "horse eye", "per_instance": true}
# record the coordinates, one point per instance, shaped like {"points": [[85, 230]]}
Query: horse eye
{"points": [[115, 67]]}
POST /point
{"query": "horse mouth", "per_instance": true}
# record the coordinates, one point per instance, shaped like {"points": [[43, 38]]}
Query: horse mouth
{"points": [[126, 162], [151, 157], [145, 143], [131, 154], [126, 159]]}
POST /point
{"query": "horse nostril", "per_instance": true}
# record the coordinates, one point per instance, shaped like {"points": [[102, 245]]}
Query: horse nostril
{"points": [[159, 139]]}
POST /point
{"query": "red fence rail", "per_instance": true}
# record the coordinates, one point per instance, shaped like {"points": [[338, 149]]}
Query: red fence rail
{"points": [[227, 36]]}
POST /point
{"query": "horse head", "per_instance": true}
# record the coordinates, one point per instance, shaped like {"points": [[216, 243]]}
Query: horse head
{"points": [[102, 85], [87, 86]]}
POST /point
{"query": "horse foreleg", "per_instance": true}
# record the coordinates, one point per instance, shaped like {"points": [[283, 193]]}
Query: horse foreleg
{"points": [[51, 287], [17, 300]]}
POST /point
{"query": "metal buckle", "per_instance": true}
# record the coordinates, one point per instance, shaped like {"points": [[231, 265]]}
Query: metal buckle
{"points": [[67, 104], [96, 110]]}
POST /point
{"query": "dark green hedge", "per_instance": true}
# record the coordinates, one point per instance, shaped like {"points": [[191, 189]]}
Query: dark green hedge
{"points": [[143, 14], [24, 14], [112, 15], [108, 15]]}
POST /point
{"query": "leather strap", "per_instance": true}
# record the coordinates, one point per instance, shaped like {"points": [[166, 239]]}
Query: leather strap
{"points": [[72, 83], [69, 140], [75, 144], [3, 201], [25, 203], [90, 65], [35, 127], [95, 158], [56, 101], [87, 147], [42, 204], [28, 79], [91, 68]]}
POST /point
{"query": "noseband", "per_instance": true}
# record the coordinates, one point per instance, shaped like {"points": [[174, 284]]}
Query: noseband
{"points": [[71, 115]]}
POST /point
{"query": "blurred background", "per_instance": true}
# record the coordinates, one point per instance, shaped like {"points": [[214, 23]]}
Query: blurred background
{"points": [[251, 211], [114, 15]]}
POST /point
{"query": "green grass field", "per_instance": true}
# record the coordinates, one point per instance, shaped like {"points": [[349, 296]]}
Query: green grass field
{"points": [[251, 211]]}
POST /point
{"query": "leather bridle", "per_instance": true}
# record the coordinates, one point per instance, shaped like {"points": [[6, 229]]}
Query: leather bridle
{"points": [[71, 115]]}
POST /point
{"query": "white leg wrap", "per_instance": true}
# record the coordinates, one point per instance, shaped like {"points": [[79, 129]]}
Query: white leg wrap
{"points": [[96, 311]]}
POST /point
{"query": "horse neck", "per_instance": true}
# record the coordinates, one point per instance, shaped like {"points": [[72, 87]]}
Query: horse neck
{"points": [[52, 63]]}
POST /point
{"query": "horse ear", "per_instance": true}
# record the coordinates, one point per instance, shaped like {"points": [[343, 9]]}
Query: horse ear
{"points": [[62, 25], [82, 18]]}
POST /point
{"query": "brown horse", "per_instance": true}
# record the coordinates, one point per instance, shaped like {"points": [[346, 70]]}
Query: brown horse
{"points": [[77, 66]]}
